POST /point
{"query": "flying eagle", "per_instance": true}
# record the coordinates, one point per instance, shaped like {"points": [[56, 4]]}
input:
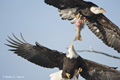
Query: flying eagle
{"points": [[69, 64], [100, 25]]}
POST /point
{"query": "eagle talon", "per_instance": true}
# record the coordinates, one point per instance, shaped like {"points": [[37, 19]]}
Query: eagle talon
{"points": [[78, 15], [79, 70], [85, 19]]}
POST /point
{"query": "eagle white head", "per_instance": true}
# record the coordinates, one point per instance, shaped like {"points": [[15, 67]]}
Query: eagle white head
{"points": [[97, 10], [71, 52]]}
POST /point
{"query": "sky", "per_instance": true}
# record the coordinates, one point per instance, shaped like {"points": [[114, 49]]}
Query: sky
{"points": [[40, 22]]}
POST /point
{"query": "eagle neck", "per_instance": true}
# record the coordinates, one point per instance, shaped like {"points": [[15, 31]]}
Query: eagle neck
{"points": [[72, 54]]}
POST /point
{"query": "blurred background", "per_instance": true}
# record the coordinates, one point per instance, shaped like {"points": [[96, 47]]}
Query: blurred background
{"points": [[40, 22]]}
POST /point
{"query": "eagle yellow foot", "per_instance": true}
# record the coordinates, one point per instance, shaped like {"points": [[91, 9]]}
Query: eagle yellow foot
{"points": [[68, 75], [85, 19], [79, 70], [78, 15]]}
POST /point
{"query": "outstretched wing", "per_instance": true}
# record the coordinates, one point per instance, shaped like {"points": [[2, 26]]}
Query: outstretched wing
{"points": [[104, 29], [97, 71], [37, 54]]}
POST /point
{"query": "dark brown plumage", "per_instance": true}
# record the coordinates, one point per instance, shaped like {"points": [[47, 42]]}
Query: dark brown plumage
{"points": [[108, 32], [48, 58]]}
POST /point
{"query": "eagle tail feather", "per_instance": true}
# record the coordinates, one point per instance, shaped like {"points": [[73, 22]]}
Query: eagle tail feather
{"points": [[56, 75]]}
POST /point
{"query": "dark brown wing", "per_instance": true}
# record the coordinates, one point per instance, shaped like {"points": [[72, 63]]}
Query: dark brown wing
{"points": [[97, 71], [38, 54], [104, 29], [64, 4]]}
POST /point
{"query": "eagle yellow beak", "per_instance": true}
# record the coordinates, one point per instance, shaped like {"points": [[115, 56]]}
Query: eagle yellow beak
{"points": [[68, 75], [79, 70], [103, 10], [71, 46]]}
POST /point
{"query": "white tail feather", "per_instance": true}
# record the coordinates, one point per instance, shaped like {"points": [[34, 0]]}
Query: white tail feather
{"points": [[58, 76]]}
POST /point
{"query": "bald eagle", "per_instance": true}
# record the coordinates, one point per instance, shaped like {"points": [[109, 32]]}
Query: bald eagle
{"points": [[100, 25], [70, 64]]}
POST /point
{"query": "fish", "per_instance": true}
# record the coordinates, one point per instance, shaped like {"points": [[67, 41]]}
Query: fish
{"points": [[79, 27]]}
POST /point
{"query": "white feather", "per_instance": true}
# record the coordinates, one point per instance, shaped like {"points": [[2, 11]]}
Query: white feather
{"points": [[97, 30], [95, 10], [74, 20], [71, 53], [58, 76], [67, 13]]}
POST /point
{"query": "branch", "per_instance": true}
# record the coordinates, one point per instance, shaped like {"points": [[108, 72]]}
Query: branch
{"points": [[99, 53]]}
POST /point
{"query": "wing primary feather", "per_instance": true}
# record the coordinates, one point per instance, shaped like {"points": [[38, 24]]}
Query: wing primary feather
{"points": [[14, 40], [11, 49], [17, 38], [11, 46], [23, 38]]}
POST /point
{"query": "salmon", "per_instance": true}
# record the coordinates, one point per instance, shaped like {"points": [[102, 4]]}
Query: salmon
{"points": [[79, 27]]}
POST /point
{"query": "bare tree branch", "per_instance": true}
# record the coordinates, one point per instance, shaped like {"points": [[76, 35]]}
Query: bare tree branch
{"points": [[93, 51]]}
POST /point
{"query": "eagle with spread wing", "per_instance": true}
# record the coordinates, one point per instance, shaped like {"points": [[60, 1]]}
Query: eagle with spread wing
{"points": [[70, 64], [100, 25]]}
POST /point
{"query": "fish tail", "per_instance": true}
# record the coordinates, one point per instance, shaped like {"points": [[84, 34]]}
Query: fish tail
{"points": [[78, 37]]}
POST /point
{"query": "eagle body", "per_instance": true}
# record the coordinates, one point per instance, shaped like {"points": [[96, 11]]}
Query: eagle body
{"points": [[70, 66], [74, 63], [67, 64], [71, 63]]}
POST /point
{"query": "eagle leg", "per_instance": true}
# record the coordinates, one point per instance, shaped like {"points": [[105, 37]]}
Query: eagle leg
{"points": [[79, 70], [78, 15], [85, 19]]}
